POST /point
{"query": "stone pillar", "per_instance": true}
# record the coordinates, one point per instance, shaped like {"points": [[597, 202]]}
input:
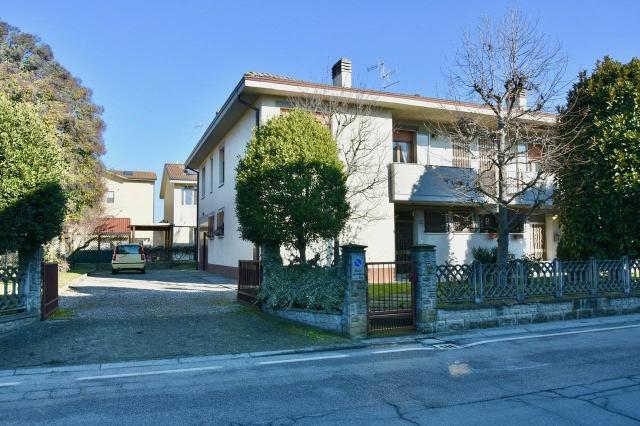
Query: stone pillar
{"points": [[31, 279], [424, 263], [354, 312]]}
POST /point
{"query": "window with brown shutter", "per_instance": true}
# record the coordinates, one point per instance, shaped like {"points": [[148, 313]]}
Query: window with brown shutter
{"points": [[220, 221], [461, 153], [404, 147], [210, 226]]}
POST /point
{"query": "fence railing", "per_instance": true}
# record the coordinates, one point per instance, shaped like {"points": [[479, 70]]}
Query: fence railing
{"points": [[525, 280], [249, 279], [13, 297]]}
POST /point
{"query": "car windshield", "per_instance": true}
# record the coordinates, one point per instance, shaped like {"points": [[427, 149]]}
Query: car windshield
{"points": [[132, 249]]}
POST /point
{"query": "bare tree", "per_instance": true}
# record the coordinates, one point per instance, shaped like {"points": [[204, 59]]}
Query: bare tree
{"points": [[515, 72], [362, 148]]}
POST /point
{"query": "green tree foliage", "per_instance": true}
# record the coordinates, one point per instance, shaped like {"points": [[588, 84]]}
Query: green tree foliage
{"points": [[599, 183], [290, 186], [30, 73], [32, 203]]}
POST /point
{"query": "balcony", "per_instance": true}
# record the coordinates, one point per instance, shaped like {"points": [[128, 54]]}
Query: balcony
{"points": [[417, 183]]}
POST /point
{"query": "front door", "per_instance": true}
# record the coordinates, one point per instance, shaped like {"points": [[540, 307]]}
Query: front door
{"points": [[538, 242], [404, 238]]}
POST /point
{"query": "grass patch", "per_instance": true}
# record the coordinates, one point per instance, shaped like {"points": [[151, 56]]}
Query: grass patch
{"points": [[62, 313], [65, 278]]}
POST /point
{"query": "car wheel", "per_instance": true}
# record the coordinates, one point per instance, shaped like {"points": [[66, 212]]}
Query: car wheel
{"points": [[114, 271], [143, 270]]}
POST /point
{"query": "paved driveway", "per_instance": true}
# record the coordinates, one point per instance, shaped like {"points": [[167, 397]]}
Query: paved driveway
{"points": [[160, 314]]}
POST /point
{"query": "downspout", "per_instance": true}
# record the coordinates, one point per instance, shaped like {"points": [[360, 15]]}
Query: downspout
{"points": [[257, 111], [249, 105], [197, 215]]}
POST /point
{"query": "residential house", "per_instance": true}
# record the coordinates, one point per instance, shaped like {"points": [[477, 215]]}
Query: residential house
{"points": [[417, 206], [129, 197], [178, 189]]}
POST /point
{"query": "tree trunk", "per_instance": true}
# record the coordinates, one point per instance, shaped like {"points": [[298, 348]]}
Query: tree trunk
{"points": [[503, 235], [503, 218], [270, 255], [336, 251], [302, 250]]}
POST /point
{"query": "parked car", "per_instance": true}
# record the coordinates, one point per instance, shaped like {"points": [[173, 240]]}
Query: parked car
{"points": [[128, 257]]}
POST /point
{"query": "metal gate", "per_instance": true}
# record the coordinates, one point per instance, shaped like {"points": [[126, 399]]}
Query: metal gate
{"points": [[49, 302], [390, 296], [249, 279]]}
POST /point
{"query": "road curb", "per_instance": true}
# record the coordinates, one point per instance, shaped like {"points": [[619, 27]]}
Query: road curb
{"points": [[422, 339]]}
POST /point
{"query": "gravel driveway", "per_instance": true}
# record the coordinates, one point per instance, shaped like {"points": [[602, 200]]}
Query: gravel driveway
{"points": [[160, 314]]}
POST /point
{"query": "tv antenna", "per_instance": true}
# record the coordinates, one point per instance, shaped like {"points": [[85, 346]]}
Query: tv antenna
{"points": [[384, 73]]}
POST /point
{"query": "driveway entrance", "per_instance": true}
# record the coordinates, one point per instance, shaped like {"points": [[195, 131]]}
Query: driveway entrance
{"points": [[160, 314]]}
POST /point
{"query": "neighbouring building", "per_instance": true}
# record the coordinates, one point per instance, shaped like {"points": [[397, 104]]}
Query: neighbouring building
{"points": [[129, 198], [178, 189], [415, 205]]}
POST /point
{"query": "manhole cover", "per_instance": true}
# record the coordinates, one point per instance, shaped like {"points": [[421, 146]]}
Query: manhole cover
{"points": [[446, 346]]}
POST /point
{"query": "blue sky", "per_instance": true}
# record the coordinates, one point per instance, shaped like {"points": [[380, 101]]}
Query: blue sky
{"points": [[162, 68]]}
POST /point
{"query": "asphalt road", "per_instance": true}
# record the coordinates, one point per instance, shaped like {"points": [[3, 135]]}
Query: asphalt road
{"points": [[581, 376]]}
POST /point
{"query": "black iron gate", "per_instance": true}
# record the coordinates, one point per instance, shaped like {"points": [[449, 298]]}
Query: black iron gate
{"points": [[390, 296]]}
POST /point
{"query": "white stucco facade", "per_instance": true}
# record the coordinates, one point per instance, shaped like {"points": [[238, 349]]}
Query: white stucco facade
{"points": [[130, 198], [404, 188]]}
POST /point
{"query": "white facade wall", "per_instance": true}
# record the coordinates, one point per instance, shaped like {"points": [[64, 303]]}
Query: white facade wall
{"points": [[378, 233], [132, 199], [228, 249]]}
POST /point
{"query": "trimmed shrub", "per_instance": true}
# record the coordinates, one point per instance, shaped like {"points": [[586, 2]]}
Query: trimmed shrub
{"points": [[302, 286]]}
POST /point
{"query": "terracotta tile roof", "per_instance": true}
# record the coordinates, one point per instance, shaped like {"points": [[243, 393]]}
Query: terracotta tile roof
{"points": [[177, 172], [263, 76], [113, 225], [134, 174]]}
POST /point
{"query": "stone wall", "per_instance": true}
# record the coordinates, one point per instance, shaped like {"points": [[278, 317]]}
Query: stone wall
{"points": [[323, 320], [453, 319]]}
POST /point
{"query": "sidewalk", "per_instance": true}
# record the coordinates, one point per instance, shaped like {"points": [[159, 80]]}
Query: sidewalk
{"points": [[391, 344]]}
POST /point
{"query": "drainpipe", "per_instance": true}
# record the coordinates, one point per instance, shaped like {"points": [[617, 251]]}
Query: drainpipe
{"points": [[197, 215], [249, 105]]}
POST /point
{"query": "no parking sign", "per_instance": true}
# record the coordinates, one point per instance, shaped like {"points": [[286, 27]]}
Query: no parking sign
{"points": [[357, 267]]}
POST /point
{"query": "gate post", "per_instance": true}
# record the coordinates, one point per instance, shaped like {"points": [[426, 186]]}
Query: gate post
{"points": [[426, 286], [354, 312]]}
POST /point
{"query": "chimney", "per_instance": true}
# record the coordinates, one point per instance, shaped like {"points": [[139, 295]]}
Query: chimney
{"points": [[521, 102], [341, 73]]}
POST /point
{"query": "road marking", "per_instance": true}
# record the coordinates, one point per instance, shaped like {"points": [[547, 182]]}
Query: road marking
{"points": [[390, 351], [149, 373], [3, 385], [537, 336], [316, 358]]}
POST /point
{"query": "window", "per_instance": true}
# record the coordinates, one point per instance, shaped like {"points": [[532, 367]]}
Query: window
{"points": [[210, 226], [461, 153], [516, 223], [488, 223], [435, 221], [221, 165], [211, 175], [220, 222], [109, 197], [129, 249], [462, 220], [403, 147], [188, 196], [203, 180]]}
